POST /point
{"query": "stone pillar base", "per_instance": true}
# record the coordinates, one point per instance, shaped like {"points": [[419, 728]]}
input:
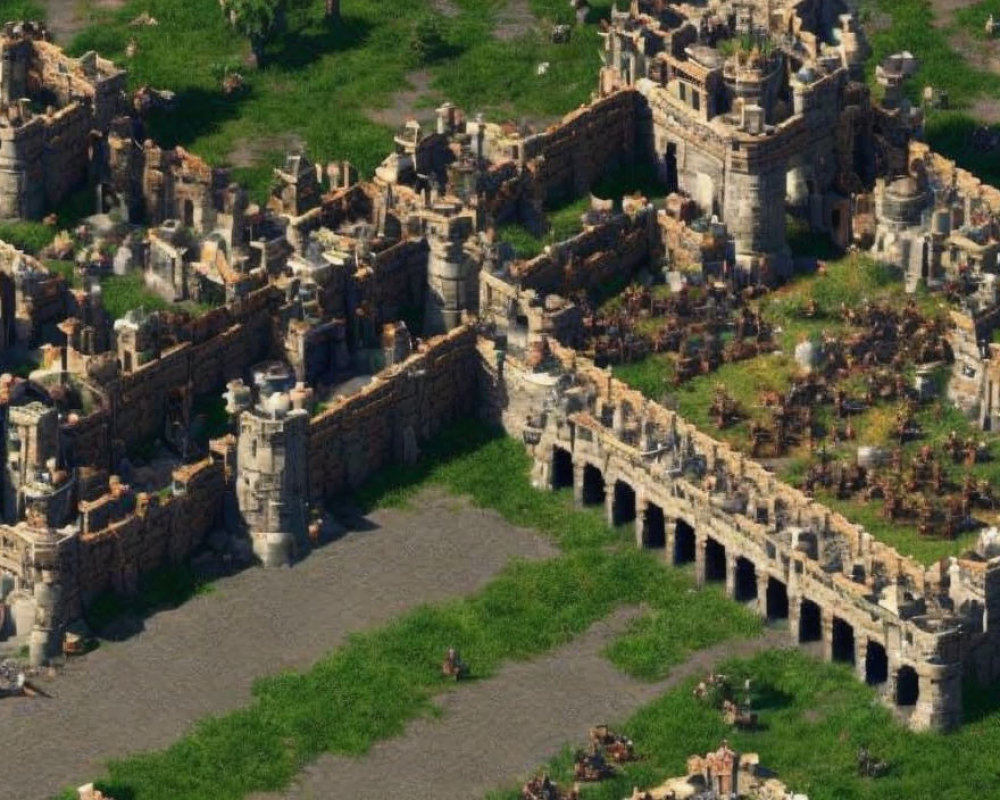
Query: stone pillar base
{"points": [[273, 548]]}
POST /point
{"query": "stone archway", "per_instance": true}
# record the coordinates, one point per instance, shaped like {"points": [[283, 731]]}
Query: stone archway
{"points": [[843, 641], [593, 485], [562, 468], [685, 544], [777, 599], [654, 532], [715, 561], [810, 622], [745, 583], [907, 687], [876, 664], [623, 509]]}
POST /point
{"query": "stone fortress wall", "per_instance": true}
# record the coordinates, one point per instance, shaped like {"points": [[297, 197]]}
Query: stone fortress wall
{"points": [[914, 632], [911, 631]]}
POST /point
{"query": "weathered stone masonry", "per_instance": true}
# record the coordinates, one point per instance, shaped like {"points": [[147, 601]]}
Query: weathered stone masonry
{"points": [[909, 631]]}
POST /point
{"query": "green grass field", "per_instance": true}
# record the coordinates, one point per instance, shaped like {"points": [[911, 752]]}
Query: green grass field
{"points": [[318, 80], [848, 281], [368, 689], [815, 717]]}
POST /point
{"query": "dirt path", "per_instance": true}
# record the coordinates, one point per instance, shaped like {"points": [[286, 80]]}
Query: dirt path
{"points": [[497, 732], [202, 658], [514, 20], [66, 18]]}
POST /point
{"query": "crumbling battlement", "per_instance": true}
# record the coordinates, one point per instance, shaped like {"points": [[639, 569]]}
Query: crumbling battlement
{"points": [[56, 574], [572, 155], [592, 258], [45, 156]]}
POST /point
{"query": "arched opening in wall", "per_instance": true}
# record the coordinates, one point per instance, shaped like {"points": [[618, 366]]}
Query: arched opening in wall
{"points": [[562, 468], [843, 641], [671, 167], [188, 213], [684, 543], [654, 533], [715, 561], [907, 687], [876, 664], [810, 624], [746, 580], [593, 485], [777, 599], [624, 505]]}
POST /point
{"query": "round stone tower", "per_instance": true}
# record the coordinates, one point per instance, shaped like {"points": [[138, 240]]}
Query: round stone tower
{"points": [[271, 480]]}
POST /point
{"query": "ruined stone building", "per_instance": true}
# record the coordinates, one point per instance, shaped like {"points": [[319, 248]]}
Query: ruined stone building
{"points": [[752, 109], [50, 104], [349, 324]]}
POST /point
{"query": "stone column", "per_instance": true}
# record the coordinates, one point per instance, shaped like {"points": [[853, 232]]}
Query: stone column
{"points": [[541, 474], [762, 579], [939, 706], [826, 626], [641, 509], [730, 575], [578, 483], [700, 544], [794, 615], [670, 540], [860, 655], [609, 502]]}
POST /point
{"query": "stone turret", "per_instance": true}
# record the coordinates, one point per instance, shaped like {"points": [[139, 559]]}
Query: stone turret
{"points": [[272, 477], [34, 484], [452, 274]]}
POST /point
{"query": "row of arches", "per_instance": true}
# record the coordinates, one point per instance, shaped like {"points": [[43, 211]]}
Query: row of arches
{"points": [[745, 584]]}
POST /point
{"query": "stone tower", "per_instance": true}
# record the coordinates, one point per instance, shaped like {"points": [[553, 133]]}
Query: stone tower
{"points": [[271, 473], [34, 485], [452, 274]]}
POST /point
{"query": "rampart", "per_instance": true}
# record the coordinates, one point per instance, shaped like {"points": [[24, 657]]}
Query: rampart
{"points": [[117, 544], [384, 422], [595, 257], [910, 631], [586, 144]]}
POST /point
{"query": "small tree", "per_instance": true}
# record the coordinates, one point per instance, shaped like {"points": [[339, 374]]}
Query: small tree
{"points": [[257, 20]]}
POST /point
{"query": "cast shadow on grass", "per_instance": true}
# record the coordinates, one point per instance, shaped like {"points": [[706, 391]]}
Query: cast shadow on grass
{"points": [[197, 113], [302, 46], [394, 484], [979, 701]]}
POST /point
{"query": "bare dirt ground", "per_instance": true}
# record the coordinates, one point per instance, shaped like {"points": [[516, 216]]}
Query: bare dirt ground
{"points": [[513, 20], [500, 731], [446, 7], [202, 658], [405, 101], [66, 18], [944, 11], [250, 152]]}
